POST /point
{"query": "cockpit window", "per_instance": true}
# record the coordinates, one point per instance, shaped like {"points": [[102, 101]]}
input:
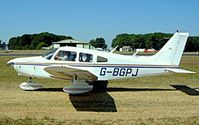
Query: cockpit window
{"points": [[66, 55], [85, 57], [49, 54]]}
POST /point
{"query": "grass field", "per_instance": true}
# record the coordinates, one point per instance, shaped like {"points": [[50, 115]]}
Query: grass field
{"points": [[44, 51], [148, 100], [23, 51]]}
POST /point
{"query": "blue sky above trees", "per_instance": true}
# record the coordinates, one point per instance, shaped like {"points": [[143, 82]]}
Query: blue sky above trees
{"points": [[88, 19]]}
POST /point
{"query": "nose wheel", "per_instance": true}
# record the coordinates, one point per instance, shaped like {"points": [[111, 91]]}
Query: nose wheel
{"points": [[29, 86]]}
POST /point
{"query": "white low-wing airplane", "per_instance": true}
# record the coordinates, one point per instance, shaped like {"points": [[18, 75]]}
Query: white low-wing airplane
{"points": [[87, 68]]}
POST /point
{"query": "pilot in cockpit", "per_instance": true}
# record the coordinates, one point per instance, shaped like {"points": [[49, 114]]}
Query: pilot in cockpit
{"points": [[63, 55], [66, 56]]}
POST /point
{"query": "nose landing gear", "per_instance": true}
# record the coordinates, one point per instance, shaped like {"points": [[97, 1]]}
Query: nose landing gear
{"points": [[29, 86]]}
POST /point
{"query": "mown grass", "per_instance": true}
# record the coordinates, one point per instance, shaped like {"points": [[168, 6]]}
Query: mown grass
{"points": [[148, 100], [23, 51], [141, 121], [44, 51]]}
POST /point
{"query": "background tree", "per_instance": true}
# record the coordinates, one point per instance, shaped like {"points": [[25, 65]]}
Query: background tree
{"points": [[147, 41], [25, 41], [14, 43], [32, 41], [40, 45], [192, 44], [98, 43]]}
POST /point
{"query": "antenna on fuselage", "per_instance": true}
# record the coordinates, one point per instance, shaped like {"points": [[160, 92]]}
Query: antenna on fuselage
{"points": [[135, 53], [113, 49]]}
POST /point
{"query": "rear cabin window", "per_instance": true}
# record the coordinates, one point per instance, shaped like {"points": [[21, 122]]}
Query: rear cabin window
{"points": [[101, 59], [66, 56], [85, 57]]}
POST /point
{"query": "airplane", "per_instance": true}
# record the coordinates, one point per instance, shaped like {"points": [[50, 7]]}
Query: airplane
{"points": [[88, 68]]}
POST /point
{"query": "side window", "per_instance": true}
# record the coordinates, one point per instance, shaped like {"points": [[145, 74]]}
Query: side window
{"points": [[101, 59], [85, 57], [66, 56]]}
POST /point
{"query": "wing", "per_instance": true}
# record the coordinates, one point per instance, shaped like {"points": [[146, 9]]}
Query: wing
{"points": [[69, 73], [180, 71]]}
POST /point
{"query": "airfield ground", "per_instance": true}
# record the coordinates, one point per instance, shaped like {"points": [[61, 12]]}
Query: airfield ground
{"points": [[148, 100]]}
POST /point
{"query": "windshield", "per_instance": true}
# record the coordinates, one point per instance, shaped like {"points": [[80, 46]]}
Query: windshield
{"points": [[49, 54]]}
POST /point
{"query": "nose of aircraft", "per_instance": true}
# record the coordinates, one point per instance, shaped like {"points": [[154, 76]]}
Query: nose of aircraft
{"points": [[11, 62], [24, 59]]}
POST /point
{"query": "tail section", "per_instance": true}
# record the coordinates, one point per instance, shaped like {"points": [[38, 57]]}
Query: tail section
{"points": [[172, 51]]}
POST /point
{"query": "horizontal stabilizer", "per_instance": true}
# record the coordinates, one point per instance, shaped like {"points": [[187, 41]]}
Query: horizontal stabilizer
{"points": [[180, 71]]}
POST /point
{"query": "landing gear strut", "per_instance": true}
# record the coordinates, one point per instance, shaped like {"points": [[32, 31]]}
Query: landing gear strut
{"points": [[29, 86]]}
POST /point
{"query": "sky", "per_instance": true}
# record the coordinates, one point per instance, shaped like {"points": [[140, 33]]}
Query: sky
{"points": [[88, 19]]}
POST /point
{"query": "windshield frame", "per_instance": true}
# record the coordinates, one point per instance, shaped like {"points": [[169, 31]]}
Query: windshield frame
{"points": [[49, 54]]}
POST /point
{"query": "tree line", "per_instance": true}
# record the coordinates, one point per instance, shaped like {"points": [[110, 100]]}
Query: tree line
{"points": [[147, 41], [34, 41], [98, 43], [151, 40], [45, 39]]}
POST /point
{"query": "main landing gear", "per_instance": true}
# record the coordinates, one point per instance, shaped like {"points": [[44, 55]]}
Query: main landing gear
{"points": [[76, 87], [83, 86], [29, 86], [80, 87]]}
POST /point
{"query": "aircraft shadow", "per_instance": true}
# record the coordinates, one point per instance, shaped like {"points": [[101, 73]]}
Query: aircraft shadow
{"points": [[183, 88], [101, 101], [95, 102], [186, 89], [110, 89], [50, 90]]}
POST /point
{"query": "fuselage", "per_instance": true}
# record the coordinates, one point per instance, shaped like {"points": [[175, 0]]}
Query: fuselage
{"points": [[103, 65]]}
